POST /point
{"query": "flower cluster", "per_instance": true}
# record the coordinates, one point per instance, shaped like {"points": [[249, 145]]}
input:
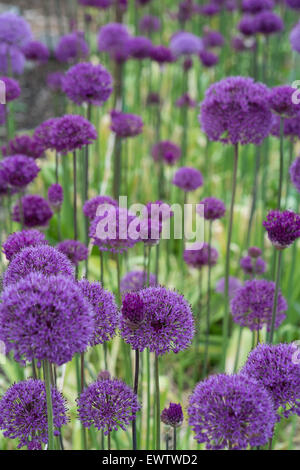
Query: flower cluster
{"points": [[55, 196], [125, 124], [206, 255], [172, 416], [35, 209], [137, 280], [23, 145], [23, 239], [71, 47], [75, 250], [295, 173], [283, 228], [90, 207], [188, 178], [20, 170], [166, 151]]}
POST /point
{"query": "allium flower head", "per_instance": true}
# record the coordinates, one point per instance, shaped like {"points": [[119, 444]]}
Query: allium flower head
{"points": [[23, 145], [212, 38], [268, 23], [172, 416], [96, 3], [281, 102], [105, 311], [55, 196], [277, 369], [71, 132], [23, 413], [75, 250], [236, 110], [295, 37], [283, 228], [207, 255], [125, 124], [87, 83], [166, 151], [185, 100], [72, 47], [254, 251], [43, 134], [18, 240], [188, 178], [12, 59], [136, 280], [36, 51], [12, 88], [55, 81], [132, 310], [295, 4], [36, 211], [252, 305], [295, 173], [208, 58], [140, 47], [234, 285], [45, 317], [231, 411], [161, 54], [114, 39], [213, 208], [256, 6], [107, 405], [90, 207], [248, 25], [40, 258], [149, 24], [185, 43], [253, 265], [20, 170], [291, 127], [167, 323], [14, 30], [210, 9]]}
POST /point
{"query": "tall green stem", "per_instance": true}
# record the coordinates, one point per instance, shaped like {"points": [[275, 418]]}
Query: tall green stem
{"points": [[278, 255], [135, 389], [208, 303], [281, 163], [47, 380], [157, 400]]}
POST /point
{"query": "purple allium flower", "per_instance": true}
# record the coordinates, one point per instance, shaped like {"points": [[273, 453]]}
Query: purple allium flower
{"points": [[88, 83], [280, 99], [140, 47], [96, 3], [52, 321], [23, 413], [207, 255], [248, 25], [231, 411], [72, 47], [253, 303], [295, 4], [125, 124], [212, 38], [75, 250], [149, 24], [90, 207], [36, 51], [132, 310], [18, 240], [14, 30], [11, 59], [256, 6], [114, 39], [161, 54], [55, 196], [283, 228], [20, 170], [185, 101], [213, 208], [167, 324], [36, 211], [43, 133], [295, 173], [236, 110], [253, 265], [136, 280], [12, 88], [208, 58], [268, 23], [167, 151], [43, 259], [4, 186], [295, 38], [210, 9], [188, 178], [55, 81], [275, 369], [71, 132], [103, 375], [185, 43], [23, 145], [111, 231], [105, 311], [107, 405], [172, 416], [153, 99], [254, 251], [234, 285]]}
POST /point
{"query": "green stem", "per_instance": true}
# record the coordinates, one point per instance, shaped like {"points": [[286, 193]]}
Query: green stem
{"points": [[205, 366], [238, 349], [278, 255], [157, 400], [281, 163], [47, 380]]}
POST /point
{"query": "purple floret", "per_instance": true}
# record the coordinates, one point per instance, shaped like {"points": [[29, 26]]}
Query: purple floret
{"points": [[36, 211], [185, 43], [213, 208], [188, 178], [55, 81], [140, 47], [136, 280], [149, 24], [256, 6], [295, 4], [36, 51], [185, 100], [12, 88], [207, 255], [161, 54], [253, 266], [23, 239], [125, 124], [283, 228], [268, 23], [74, 250], [55, 196], [173, 415], [295, 38], [90, 207], [248, 25], [114, 38], [295, 173], [208, 58], [43, 134], [23, 145], [71, 132], [280, 99], [166, 151], [72, 47], [234, 285], [132, 310], [20, 170], [96, 3], [212, 38]]}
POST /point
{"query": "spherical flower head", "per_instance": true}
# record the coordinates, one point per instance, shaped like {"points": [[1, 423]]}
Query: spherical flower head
{"points": [[248, 25], [268, 23], [210, 9], [197, 257], [91, 206], [185, 101], [161, 54], [103, 4], [111, 231], [208, 58], [36, 211], [167, 151], [167, 324], [256, 6], [23, 413], [43, 134], [74, 250], [252, 305], [295, 173], [103, 375], [281, 101], [88, 83], [125, 124], [105, 311], [188, 178], [172, 416], [140, 47], [23, 239], [236, 110], [23, 145], [277, 369], [114, 38], [55, 81], [253, 265], [20, 169], [36, 51], [185, 43], [71, 132], [291, 127], [294, 4], [213, 208], [153, 99], [283, 228], [71, 47], [254, 251], [136, 280], [55, 196], [234, 285], [14, 30], [295, 38], [132, 310], [212, 38], [12, 88], [231, 411], [149, 24]]}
